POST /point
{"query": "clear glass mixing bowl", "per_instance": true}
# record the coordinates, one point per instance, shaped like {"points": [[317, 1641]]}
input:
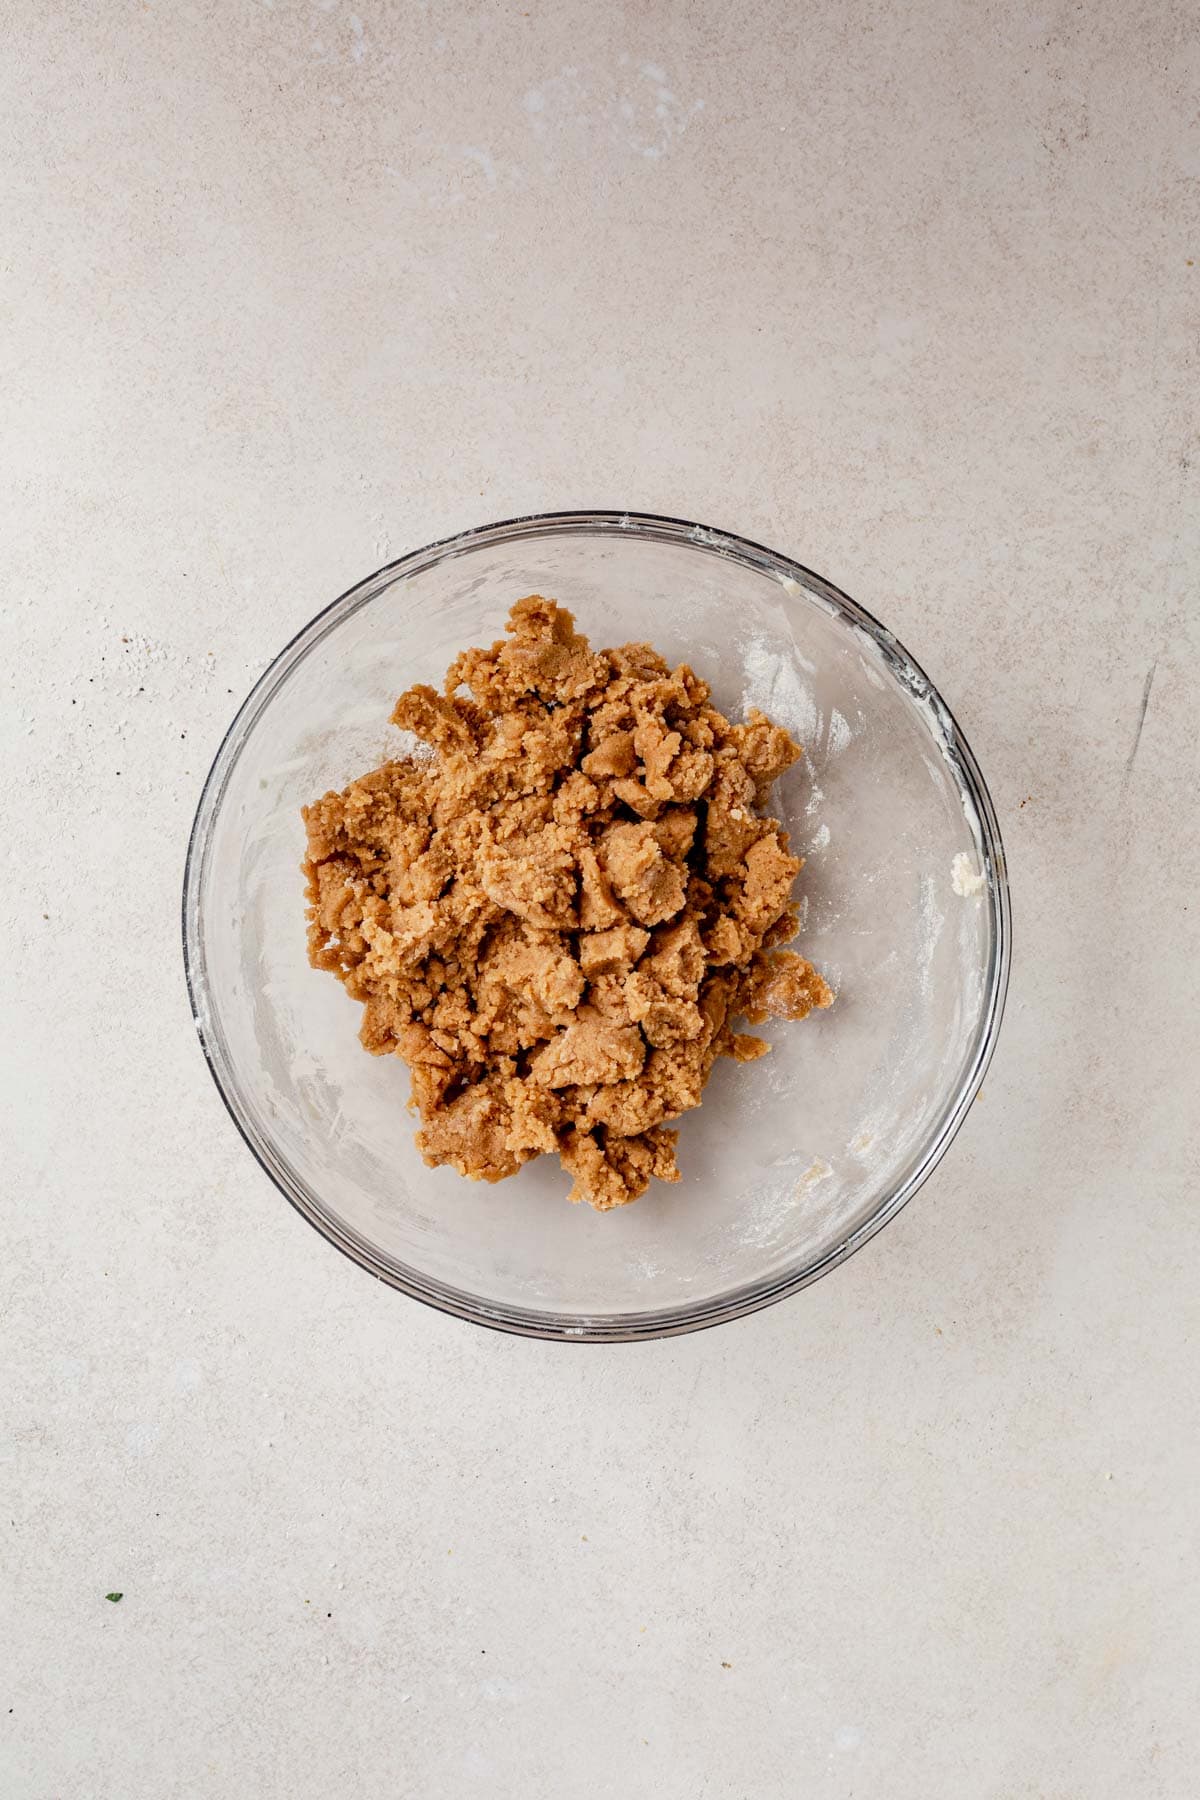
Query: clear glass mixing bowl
{"points": [[791, 1163]]}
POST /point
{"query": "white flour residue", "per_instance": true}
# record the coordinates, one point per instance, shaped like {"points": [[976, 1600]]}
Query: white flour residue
{"points": [[821, 839], [839, 733], [965, 878], [932, 920], [767, 1218], [775, 688], [776, 685], [880, 649]]}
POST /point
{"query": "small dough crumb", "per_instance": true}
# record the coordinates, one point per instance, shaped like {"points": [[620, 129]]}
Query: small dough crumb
{"points": [[817, 1170], [555, 913], [964, 878]]}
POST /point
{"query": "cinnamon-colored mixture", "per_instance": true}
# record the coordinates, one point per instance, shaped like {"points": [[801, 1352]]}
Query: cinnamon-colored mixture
{"points": [[556, 913]]}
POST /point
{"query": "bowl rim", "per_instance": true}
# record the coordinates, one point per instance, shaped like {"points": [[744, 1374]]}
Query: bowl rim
{"points": [[630, 1327]]}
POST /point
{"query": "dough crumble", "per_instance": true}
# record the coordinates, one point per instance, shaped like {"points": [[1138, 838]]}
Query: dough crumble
{"points": [[555, 915]]}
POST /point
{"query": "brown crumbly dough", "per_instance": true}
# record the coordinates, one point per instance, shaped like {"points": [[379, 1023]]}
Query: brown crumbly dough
{"points": [[555, 914]]}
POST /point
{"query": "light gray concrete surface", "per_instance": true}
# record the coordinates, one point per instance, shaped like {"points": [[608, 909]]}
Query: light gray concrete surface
{"points": [[911, 293]]}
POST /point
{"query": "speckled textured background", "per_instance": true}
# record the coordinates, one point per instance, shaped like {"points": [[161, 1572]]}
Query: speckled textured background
{"points": [[909, 293]]}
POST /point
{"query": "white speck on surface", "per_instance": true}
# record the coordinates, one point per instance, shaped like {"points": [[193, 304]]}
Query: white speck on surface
{"points": [[965, 878], [580, 111]]}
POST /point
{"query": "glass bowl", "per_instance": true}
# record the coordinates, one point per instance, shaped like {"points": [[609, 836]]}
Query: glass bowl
{"points": [[791, 1163]]}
